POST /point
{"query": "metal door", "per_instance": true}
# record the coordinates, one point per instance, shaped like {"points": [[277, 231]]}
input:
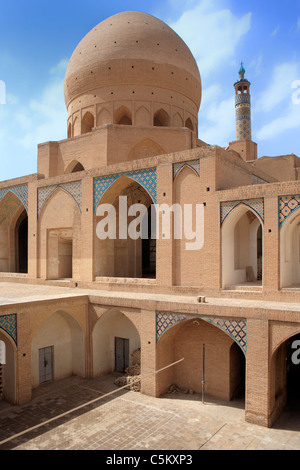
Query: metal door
{"points": [[46, 364], [121, 354]]}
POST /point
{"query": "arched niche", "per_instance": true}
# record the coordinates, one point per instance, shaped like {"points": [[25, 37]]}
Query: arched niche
{"points": [[242, 247]]}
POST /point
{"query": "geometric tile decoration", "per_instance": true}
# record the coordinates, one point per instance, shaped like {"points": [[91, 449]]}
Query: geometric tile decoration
{"points": [[234, 327], [72, 188], [165, 320], [145, 177], [286, 206], [243, 116], [193, 164], [257, 205], [20, 190], [8, 323]]}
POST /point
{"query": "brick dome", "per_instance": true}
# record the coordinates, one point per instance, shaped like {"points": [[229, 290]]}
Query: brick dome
{"points": [[132, 56]]}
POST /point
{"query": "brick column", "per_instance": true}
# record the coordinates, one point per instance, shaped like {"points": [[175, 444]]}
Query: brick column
{"points": [[148, 352], [32, 230], [164, 246], [257, 403], [23, 361], [271, 245], [87, 230]]}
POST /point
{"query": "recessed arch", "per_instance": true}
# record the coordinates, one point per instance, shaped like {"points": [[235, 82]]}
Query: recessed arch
{"points": [[123, 116], [189, 124], [8, 372], [53, 193], [177, 120], [74, 167], [59, 235], [285, 375], [87, 123], [63, 333], [199, 341], [118, 252], [147, 148], [103, 117], [242, 247], [13, 235], [107, 354], [161, 118], [142, 116]]}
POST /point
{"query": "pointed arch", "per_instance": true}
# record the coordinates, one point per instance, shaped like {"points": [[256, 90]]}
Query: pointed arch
{"points": [[103, 117], [142, 117], [113, 323], [123, 116], [118, 251], [161, 118], [61, 331], [242, 233], [187, 338], [46, 193], [189, 124], [87, 123], [8, 370], [74, 167], [177, 120], [13, 235], [147, 148]]}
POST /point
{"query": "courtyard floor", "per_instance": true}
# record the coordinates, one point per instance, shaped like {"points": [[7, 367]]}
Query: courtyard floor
{"points": [[128, 420]]}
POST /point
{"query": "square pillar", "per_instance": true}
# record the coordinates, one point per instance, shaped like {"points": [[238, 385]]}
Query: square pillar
{"points": [[87, 230], [271, 245], [164, 244], [257, 403], [32, 230], [148, 352], [23, 361]]}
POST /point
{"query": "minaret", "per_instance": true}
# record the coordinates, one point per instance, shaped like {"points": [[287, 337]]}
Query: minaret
{"points": [[243, 143], [242, 107]]}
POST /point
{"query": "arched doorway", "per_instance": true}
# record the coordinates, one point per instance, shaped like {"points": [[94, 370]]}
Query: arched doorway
{"points": [[7, 368], [21, 236], [210, 355], [13, 235], [242, 248], [115, 338], [125, 244], [285, 377]]}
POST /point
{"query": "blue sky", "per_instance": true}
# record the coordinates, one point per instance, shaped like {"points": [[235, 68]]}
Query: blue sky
{"points": [[37, 38]]}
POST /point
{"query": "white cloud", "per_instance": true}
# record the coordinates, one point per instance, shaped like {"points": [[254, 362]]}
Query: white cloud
{"points": [[290, 119], [212, 33], [217, 118], [278, 95], [25, 123], [44, 118], [278, 88]]}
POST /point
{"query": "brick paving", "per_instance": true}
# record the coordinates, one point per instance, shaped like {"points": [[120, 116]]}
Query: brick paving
{"points": [[129, 420]]}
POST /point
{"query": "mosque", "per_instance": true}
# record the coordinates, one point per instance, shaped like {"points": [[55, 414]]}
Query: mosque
{"points": [[76, 303]]}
